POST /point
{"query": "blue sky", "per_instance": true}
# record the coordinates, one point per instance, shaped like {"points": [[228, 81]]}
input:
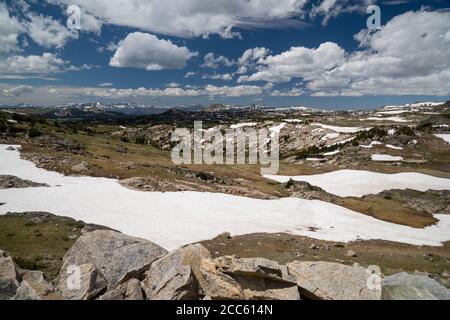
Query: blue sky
{"points": [[283, 52]]}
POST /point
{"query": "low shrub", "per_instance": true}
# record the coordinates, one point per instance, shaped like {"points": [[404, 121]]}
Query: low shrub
{"points": [[34, 133]]}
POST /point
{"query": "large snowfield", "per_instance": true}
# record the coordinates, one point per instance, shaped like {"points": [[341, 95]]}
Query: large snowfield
{"points": [[174, 219]]}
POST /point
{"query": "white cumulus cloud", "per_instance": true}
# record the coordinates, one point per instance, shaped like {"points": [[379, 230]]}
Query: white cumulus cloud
{"points": [[34, 64], [113, 93], [298, 62], [410, 55], [10, 29], [21, 67], [235, 91], [47, 32], [15, 91], [190, 18], [211, 61], [146, 51], [218, 76]]}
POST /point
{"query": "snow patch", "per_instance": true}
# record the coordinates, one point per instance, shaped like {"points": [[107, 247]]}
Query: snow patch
{"points": [[174, 219], [392, 112], [293, 120], [394, 119], [243, 125], [390, 146], [445, 137], [340, 129], [370, 146], [358, 183], [385, 157], [276, 129], [331, 153]]}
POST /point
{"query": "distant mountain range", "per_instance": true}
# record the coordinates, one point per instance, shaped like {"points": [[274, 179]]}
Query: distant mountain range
{"points": [[119, 110], [131, 109]]}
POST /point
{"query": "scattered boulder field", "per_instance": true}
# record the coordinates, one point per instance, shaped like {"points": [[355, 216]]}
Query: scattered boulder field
{"points": [[109, 265]]}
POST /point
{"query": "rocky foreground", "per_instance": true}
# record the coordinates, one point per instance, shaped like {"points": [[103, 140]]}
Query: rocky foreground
{"points": [[108, 265]]}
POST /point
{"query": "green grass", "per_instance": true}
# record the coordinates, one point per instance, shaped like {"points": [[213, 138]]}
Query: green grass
{"points": [[390, 210], [38, 245]]}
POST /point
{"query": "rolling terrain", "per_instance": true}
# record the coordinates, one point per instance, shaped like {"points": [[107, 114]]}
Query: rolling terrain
{"points": [[371, 182]]}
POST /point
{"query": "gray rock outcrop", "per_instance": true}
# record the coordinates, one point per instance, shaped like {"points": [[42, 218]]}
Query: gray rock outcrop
{"points": [[119, 257], [9, 277], [404, 286], [405, 293], [246, 278], [332, 281], [7, 267], [8, 288], [129, 290], [174, 276], [102, 260], [10, 182], [81, 282], [34, 287]]}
